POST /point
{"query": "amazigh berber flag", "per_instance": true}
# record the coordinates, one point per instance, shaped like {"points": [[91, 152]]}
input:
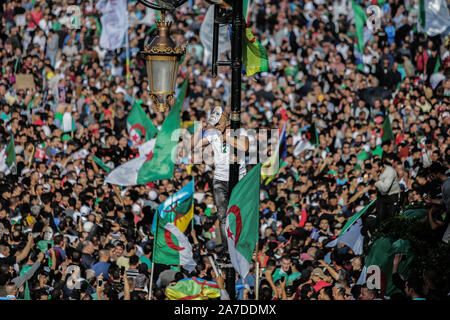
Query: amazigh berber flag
{"points": [[172, 247]]}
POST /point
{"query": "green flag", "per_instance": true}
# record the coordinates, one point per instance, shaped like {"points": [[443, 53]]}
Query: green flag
{"points": [[387, 130], [356, 216], [161, 165], [27, 295], [101, 164], [254, 55], [360, 20], [140, 127], [437, 66], [11, 155], [243, 219], [382, 254], [313, 135]]}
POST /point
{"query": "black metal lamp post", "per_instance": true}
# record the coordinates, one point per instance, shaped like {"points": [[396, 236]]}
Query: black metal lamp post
{"points": [[221, 16]]}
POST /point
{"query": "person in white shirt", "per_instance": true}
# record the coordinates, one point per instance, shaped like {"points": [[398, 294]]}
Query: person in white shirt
{"points": [[217, 126], [388, 189]]}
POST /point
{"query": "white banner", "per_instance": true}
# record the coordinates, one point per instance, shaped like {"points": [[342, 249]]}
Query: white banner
{"points": [[114, 23], [206, 36], [437, 18]]}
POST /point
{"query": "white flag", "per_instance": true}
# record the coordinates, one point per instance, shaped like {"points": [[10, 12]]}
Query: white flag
{"points": [[114, 23], [352, 238], [437, 18], [206, 36], [3, 166], [302, 146]]}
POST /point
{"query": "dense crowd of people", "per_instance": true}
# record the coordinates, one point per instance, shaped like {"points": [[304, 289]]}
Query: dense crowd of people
{"points": [[66, 235]]}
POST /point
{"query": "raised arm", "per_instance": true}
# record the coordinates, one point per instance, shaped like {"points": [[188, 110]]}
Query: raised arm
{"points": [[24, 253]]}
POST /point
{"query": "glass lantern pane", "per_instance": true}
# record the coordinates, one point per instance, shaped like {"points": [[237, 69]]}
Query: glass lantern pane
{"points": [[162, 73]]}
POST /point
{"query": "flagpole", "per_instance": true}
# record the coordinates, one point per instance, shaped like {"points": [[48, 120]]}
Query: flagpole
{"points": [[257, 281], [153, 256], [127, 49], [257, 265], [32, 156], [151, 280]]}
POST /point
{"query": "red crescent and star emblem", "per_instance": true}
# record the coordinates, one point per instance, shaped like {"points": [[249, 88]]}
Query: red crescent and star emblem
{"points": [[237, 213], [167, 233], [135, 138], [169, 241]]}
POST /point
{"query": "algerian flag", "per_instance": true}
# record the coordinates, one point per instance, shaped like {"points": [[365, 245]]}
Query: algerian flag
{"points": [[140, 127], [178, 208], [360, 21], [271, 167], [172, 247], [10, 156], [387, 130], [381, 254], [242, 222], [158, 162], [127, 173], [162, 164], [351, 232], [434, 17]]}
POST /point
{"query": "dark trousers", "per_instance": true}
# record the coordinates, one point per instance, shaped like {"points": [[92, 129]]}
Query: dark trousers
{"points": [[386, 207], [221, 198]]}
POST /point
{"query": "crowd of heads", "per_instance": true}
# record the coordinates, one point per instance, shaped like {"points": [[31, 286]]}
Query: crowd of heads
{"points": [[57, 212]]}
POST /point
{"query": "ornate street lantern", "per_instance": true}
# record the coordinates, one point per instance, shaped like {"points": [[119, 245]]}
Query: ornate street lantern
{"points": [[162, 57]]}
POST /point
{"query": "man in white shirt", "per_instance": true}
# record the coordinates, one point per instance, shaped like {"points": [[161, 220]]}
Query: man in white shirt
{"points": [[217, 126], [388, 189]]}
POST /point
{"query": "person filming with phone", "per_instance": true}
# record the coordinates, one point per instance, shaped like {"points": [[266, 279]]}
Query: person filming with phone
{"points": [[388, 189]]}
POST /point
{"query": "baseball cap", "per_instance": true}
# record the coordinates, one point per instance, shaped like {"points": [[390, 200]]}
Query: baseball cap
{"points": [[320, 285]]}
